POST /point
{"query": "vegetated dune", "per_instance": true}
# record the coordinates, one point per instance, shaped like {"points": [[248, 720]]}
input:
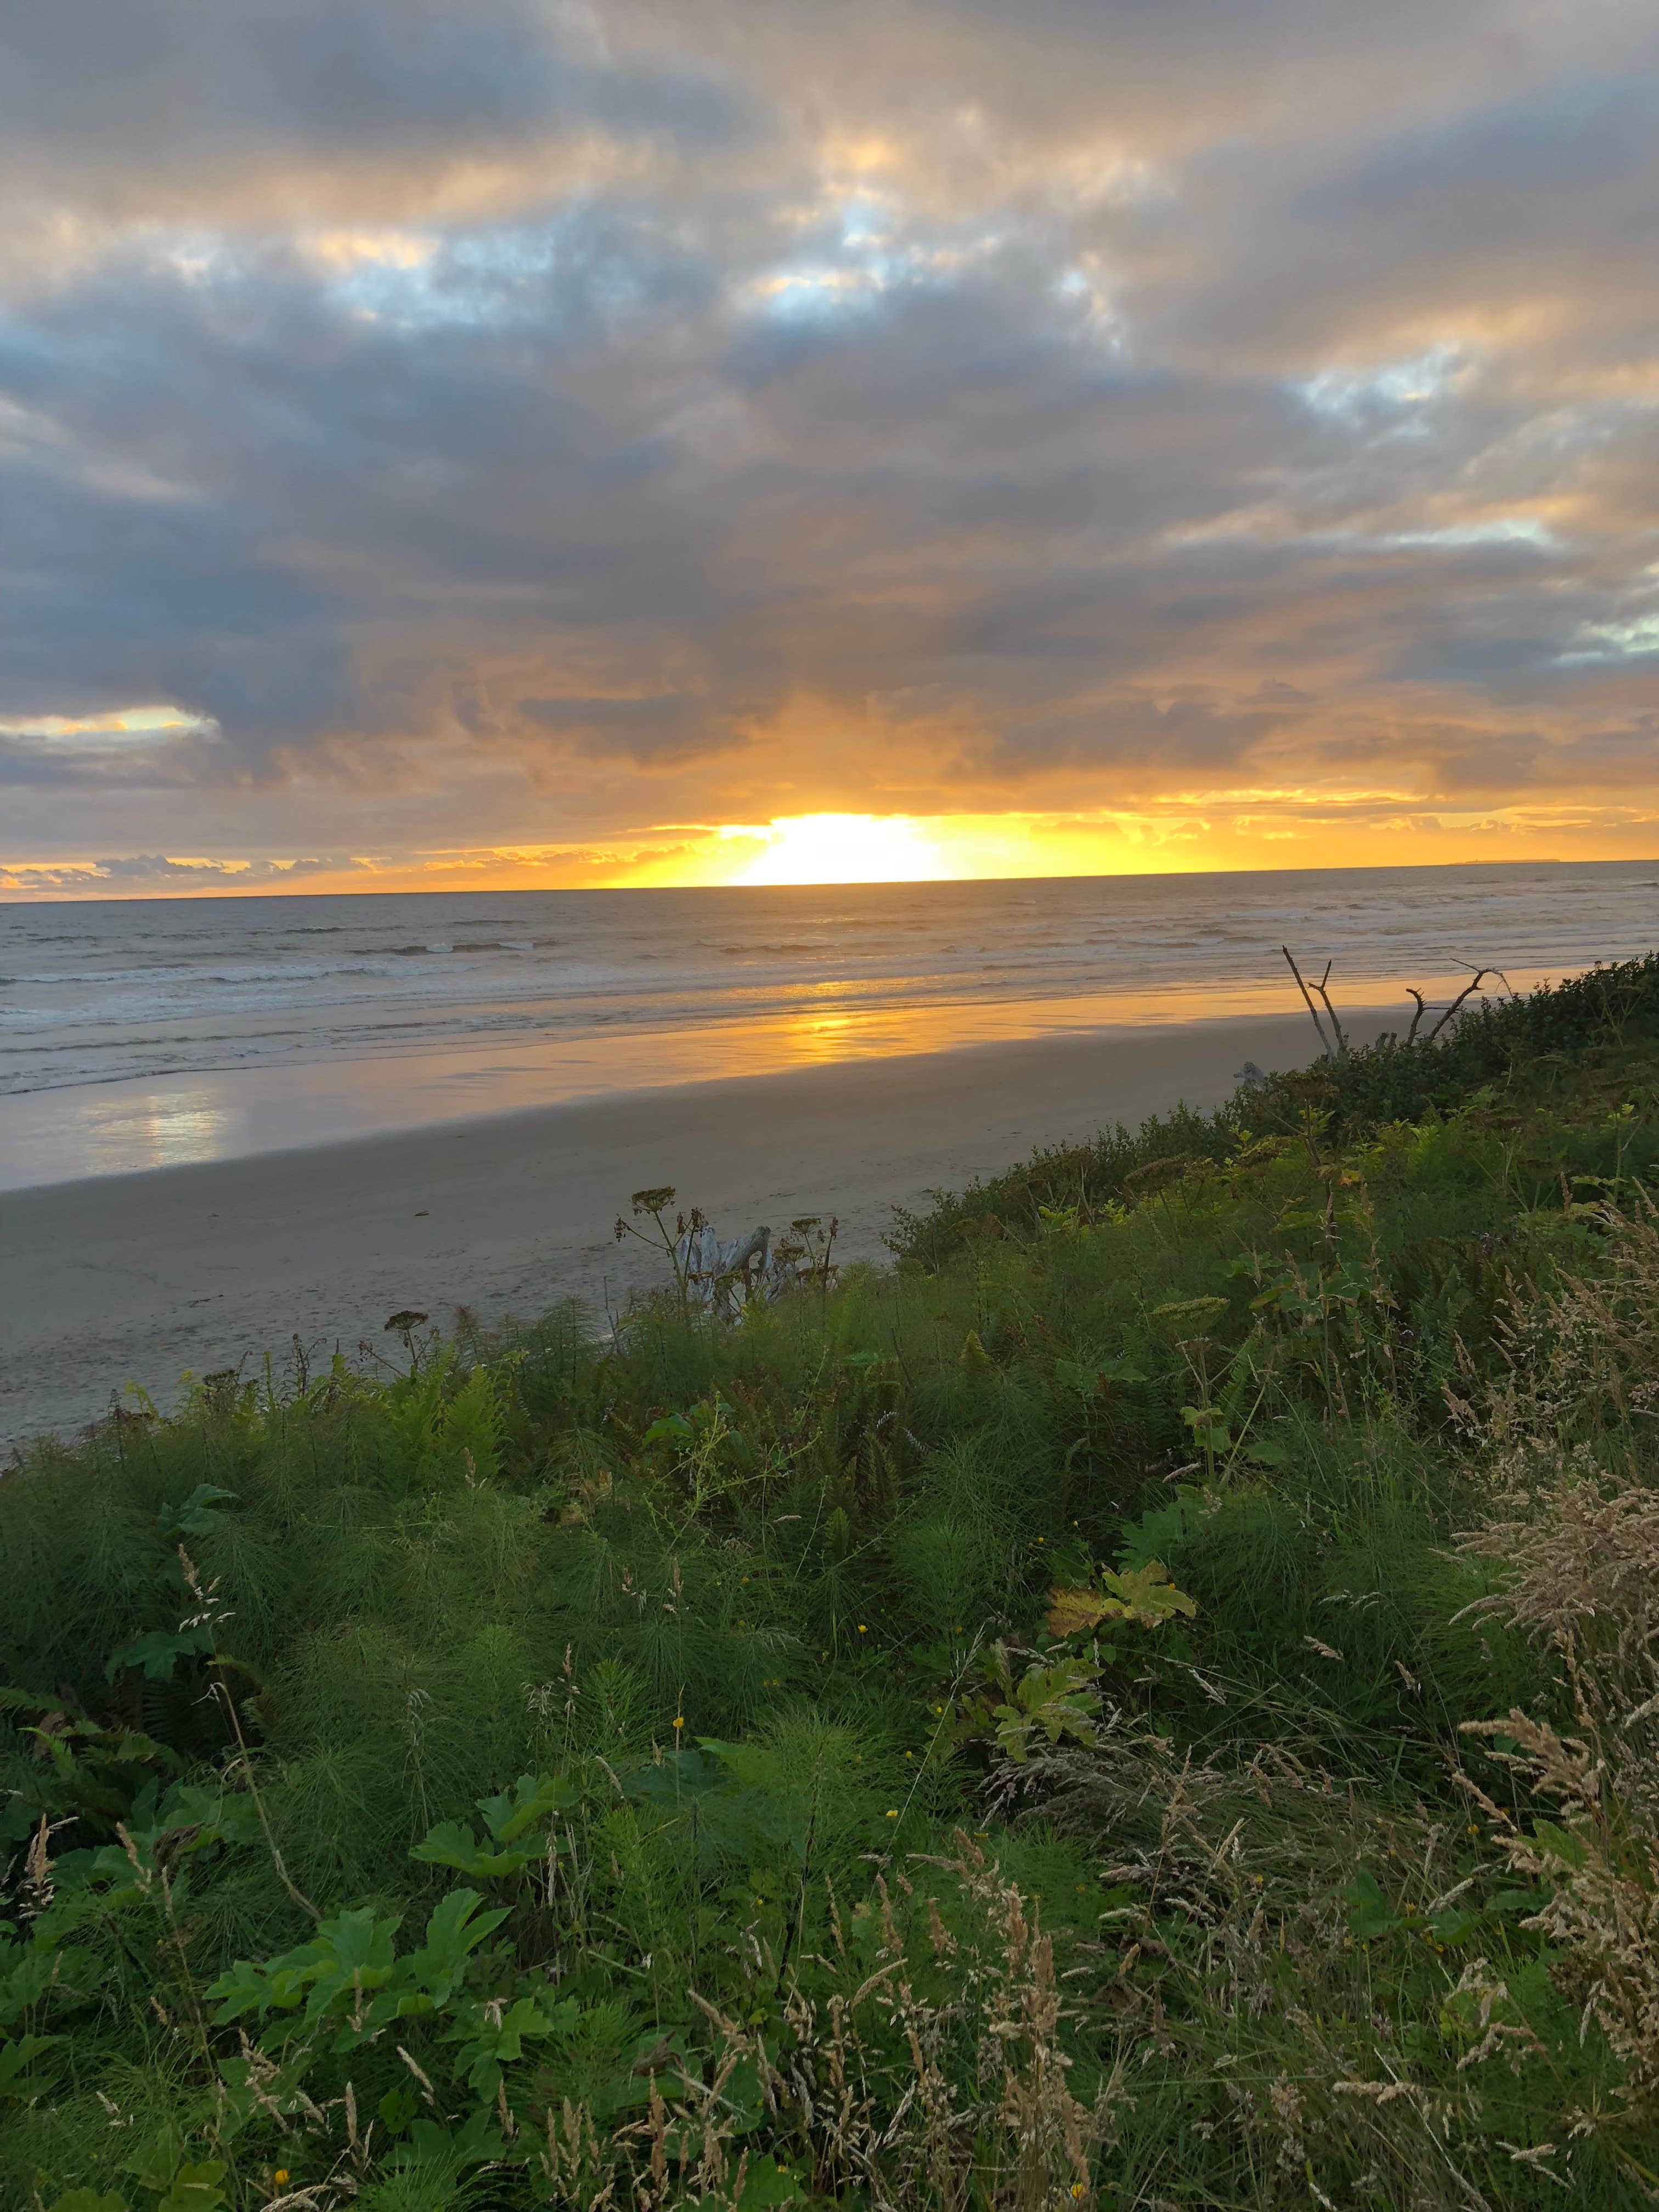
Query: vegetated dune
{"points": [[1148, 1699]]}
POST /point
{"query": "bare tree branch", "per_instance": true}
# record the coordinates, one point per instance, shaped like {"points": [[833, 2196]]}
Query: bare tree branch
{"points": [[1480, 976], [1324, 1041], [1336, 1026], [1411, 1034]]}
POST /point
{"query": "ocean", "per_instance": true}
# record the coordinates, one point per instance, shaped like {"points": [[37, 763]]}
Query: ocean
{"points": [[137, 1033]]}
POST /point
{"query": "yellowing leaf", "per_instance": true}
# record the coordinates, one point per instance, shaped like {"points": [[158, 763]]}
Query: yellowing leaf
{"points": [[1070, 1610], [1145, 1594]]}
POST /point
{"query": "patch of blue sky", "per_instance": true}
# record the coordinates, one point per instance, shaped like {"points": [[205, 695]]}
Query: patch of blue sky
{"points": [[1496, 530], [416, 281], [120, 727], [1076, 287], [1272, 527], [1636, 638], [816, 292], [1389, 390], [855, 256]]}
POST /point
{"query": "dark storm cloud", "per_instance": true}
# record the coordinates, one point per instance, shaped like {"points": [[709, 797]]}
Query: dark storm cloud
{"points": [[696, 413], [670, 727], [129, 104]]}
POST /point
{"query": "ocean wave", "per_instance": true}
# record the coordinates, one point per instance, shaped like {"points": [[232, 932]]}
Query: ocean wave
{"points": [[135, 992], [749, 952]]}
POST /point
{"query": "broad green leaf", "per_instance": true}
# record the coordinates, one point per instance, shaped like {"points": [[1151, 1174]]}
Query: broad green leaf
{"points": [[195, 1517], [360, 1944], [159, 1651], [454, 1931], [196, 2189], [1370, 1913], [452, 1843], [1560, 1844], [18, 2055], [1266, 1452], [531, 1798], [1146, 1595]]}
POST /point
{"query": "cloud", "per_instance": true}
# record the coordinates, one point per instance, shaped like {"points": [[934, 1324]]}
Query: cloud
{"points": [[530, 421], [152, 871]]}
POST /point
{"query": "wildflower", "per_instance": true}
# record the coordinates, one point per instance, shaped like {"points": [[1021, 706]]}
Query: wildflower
{"points": [[679, 1720], [1077, 2191], [861, 1628], [892, 1812]]}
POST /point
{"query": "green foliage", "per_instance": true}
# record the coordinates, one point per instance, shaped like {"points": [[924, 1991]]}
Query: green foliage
{"points": [[1017, 1684]]}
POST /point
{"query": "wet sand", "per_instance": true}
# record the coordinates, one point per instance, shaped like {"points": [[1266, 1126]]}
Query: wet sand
{"points": [[139, 1277]]}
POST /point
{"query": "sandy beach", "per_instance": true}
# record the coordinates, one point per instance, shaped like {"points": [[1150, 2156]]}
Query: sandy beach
{"points": [[140, 1277]]}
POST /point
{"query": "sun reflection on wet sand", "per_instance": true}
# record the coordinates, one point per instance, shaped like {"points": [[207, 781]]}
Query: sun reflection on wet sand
{"points": [[58, 1136]]}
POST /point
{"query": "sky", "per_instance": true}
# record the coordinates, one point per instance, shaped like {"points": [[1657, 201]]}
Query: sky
{"points": [[451, 442]]}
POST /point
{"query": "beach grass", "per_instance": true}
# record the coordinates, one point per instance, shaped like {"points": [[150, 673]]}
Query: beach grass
{"points": [[1147, 1700]]}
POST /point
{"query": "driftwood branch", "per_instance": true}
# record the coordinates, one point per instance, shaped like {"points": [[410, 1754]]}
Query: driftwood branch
{"points": [[1325, 998], [1333, 1044], [1324, 1041], [724, 1275], [1468, 991]]}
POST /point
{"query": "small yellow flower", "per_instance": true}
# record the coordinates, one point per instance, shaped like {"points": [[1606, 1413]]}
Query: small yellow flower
{"points": [[1077, 2191], [861, 1628], [679, 1721], [892, 1812]]}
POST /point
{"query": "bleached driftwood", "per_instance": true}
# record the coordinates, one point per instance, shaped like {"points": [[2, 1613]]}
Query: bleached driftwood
{"points": [[1335, 1045], [723, 1275]]}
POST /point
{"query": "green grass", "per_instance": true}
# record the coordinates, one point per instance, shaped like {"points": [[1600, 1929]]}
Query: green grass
{"points": [[753, 1621]]}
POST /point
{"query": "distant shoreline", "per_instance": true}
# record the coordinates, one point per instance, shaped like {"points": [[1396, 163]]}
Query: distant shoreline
{"points": [[138, 1277], [215, 893]]}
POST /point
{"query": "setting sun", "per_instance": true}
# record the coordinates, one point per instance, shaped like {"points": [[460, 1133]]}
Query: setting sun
{"points": [[842, 848]]}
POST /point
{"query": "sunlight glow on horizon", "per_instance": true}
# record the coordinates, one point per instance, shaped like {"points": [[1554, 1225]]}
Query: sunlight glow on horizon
{"points": [[1254, 832]]}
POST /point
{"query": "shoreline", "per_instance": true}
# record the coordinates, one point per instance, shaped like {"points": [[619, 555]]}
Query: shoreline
{"points": [[138, 1277], [63, 1134]]}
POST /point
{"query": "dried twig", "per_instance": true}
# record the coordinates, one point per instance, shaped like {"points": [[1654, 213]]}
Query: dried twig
{"points": [[1479, 977], [1324, 1041]]}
